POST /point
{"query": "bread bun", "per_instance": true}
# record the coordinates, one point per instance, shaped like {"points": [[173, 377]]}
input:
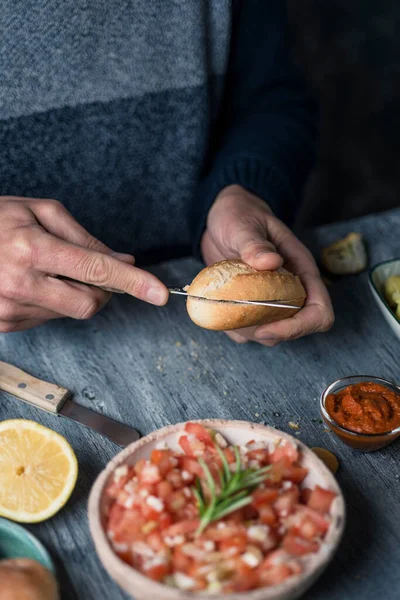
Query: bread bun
{"points": [[26, 579], [235, 280]]}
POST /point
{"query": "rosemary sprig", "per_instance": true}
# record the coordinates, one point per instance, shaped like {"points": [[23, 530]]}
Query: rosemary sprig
{"points": [[235, 492]]}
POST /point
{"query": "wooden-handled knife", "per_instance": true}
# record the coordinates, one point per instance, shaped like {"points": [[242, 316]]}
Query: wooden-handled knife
{"points": [[57, 400]]}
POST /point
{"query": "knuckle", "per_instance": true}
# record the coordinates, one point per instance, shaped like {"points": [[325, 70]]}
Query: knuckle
{"points": [[139, 287], [8, 312], [96, 270], [93, 243], [89, 308], [24, 248], [52, 208], [6, 327], [14, 288], [327, 322]]}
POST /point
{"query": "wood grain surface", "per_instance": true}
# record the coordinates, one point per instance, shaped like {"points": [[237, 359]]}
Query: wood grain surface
{"points": [[149, 366]]}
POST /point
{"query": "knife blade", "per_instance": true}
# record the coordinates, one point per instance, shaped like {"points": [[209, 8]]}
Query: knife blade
{"points": [[57, 400], [182, 292]]}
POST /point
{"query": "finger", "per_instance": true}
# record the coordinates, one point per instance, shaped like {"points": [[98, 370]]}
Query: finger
{"points": [[316, 316], [236, 337], [69, 298], [56, 219], [10, 327], [247, 334], [94, 268], [292, 249], [251, 243]]}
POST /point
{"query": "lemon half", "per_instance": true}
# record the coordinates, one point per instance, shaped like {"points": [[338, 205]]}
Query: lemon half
{"points": [[38, 471]]}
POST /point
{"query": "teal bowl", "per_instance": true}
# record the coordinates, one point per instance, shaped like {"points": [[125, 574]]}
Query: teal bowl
{"points": [[17, 542]]}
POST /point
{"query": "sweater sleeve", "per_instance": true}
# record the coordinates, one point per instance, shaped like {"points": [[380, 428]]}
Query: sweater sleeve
{"points": [[264, 139]]}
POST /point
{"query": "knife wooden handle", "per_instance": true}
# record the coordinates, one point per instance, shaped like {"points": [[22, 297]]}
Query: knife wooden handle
{"points": [[48, 396]]}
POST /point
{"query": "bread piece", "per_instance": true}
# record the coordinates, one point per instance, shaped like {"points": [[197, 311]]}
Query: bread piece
{"points": [[346, 256], [26, 579], [235, 280]]}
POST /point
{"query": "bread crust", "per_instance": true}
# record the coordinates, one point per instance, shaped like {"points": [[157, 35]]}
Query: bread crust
{"points": [[235, 280]]}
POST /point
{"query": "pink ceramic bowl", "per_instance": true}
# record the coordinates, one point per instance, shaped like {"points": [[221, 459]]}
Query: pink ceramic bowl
{"points": [[237, 432]]}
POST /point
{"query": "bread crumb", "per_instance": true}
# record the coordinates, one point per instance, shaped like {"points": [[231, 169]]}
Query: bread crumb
{"points": [[178, 344], [294, 426]]}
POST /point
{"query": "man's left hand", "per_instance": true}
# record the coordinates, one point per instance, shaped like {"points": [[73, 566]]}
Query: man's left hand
{"points": [[241, 225]]}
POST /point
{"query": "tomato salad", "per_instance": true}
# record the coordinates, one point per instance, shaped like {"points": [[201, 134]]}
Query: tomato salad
{"points": [[217, 518]]}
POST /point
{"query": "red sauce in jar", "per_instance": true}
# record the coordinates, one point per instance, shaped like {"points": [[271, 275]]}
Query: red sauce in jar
{"points": [[365, 408]]}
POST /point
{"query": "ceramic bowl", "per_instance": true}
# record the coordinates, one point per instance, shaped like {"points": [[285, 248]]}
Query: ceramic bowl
{"points": [[377, 277], [237, 432], [17, 542]]}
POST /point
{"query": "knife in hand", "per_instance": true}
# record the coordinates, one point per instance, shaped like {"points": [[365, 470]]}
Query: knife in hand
{"points": [[57, 400]]}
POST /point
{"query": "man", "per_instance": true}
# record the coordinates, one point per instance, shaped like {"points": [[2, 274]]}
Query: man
{"points": [[156, 125]]}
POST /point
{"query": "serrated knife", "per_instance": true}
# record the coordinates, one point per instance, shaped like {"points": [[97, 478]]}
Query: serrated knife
{"points": [[57, 400]]}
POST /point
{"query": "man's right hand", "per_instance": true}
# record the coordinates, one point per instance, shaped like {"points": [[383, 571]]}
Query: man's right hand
{"points": [[40, 244]]}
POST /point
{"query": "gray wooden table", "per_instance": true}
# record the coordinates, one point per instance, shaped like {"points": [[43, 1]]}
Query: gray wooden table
{"points": [[150, 367]]}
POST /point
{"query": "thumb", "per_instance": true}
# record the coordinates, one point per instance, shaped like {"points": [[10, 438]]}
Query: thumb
{"points": [[252, 245]]}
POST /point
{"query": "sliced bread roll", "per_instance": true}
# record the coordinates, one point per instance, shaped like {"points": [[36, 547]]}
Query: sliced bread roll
{"points": [[235, 280]]}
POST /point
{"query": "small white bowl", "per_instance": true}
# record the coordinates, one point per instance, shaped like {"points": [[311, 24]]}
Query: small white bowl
{"points": [[236, 432], [377, 277]]}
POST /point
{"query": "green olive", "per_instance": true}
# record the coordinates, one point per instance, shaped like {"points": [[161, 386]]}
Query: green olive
{"points": [[392, 286]]}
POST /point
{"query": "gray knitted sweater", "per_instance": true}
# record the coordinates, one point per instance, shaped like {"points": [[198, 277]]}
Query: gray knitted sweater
{"points": [[117, 109]]}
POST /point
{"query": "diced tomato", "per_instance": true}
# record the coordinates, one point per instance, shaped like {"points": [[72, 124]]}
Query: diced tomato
{"points": [[200, 432], [298, 546], [189, 512], [114, 516], [182, 527], [286, 502], [180, 561], [139, 466], [149, 474], [158, 455], [165, 520], [155, 541], [295, 473], [164, 489], [236, 544], [191, 465], [230, 530], [260, 455], [164, 460], [321, 499], [129, 526], [307, 529], [247, 579], [274, 559], [229, 455], [157, 572], [275, 575], [305, 494], [268, 516], [201, 584], [185, 445], [176, 501], [321, 521], [264, 496], [275, 474], [250, 513], [126, 557], [149, 513], [175, 478], [284, 450]]}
